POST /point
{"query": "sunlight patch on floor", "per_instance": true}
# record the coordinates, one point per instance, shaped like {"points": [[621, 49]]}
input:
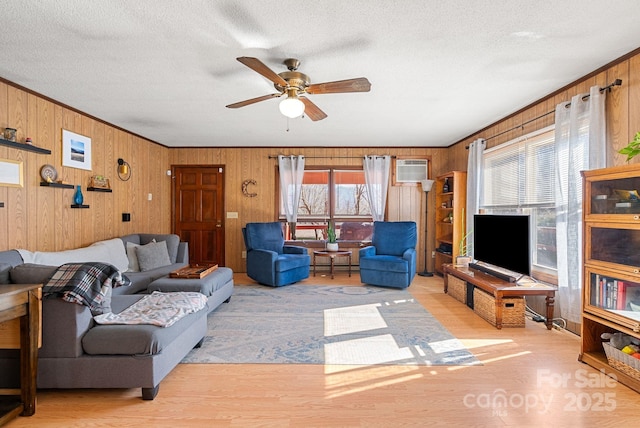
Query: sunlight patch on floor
{"points": [[481, 343], [504, 357], [367, 350], [444, 346], [347, 380], [361, 364], [356, 389], [352, 319], [397, 302]]}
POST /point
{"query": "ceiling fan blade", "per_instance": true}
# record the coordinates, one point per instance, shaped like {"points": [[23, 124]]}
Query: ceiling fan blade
{"points": [[253, 101], [360, 84], [311, 110], [259, 67]]}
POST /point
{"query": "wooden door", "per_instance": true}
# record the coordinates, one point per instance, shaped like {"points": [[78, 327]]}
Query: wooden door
{"points": [[198, 211]]}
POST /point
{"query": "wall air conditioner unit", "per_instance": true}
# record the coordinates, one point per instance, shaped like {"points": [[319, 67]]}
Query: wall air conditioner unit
{"points": [[411, 170]]}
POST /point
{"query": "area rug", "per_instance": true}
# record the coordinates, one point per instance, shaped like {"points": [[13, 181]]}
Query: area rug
{"points": [[313, 324]]}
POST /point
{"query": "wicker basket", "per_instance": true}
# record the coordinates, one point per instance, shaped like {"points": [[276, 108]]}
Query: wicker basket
{"points": [[621, 361], [484, 304], [457, 288]]}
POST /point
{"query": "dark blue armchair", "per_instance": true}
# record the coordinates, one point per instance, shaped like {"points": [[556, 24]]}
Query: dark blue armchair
{"points": [[390, 260], [269, 261]]}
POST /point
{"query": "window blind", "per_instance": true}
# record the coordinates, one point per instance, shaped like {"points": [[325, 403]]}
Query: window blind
{"points": [[520, 174]]}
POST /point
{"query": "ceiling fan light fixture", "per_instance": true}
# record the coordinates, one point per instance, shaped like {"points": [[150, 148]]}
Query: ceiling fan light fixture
{"points": [[291, 107], [292, 83]]}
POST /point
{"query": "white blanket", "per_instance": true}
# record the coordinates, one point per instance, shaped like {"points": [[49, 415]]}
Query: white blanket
{"points": [[160, 309], [111, 251]]}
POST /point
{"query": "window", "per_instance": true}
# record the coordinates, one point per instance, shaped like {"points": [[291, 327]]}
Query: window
{"points": [[333, 194], [518, 179]]}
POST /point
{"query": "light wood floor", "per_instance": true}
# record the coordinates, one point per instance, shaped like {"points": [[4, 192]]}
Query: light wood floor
{"points": [[536, 371]]}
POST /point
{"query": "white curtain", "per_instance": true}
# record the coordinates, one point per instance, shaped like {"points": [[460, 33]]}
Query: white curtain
{"points": [[474, 187], [291, 173], [580, 144], [376, 175]]}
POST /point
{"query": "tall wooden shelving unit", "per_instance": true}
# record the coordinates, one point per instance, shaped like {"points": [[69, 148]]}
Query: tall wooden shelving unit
{"points": [[450, 221], [611, 280]]}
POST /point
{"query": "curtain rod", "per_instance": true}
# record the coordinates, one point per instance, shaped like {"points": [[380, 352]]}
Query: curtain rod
{"points": [[330, 157], [617, 82]]}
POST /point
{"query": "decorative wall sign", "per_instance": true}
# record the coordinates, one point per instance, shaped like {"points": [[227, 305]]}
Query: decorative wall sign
{"points": [[48, 173], [11, 173], [99, 182], [245, 190], [76, 150]]}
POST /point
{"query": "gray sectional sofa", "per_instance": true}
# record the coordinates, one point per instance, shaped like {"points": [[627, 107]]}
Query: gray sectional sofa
{"points": [[77, 352]]}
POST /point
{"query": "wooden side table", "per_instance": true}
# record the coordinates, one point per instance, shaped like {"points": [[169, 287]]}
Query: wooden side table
{"points": [[332, 256], [22, 301]]}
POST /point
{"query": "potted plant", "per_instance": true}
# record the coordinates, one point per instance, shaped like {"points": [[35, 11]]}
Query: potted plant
{"points": [[632, 149], [332, 245], [464, 247], [464, 258]]}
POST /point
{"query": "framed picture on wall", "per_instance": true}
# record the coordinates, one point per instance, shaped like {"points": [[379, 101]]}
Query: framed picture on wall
{"points": [[76, 150], [11, 173]]}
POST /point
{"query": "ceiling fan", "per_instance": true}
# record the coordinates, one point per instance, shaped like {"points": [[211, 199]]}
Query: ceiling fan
{"points": [[294, 85]]}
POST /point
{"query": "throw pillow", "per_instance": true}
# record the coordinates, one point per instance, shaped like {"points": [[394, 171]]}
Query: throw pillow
{"points": [[133, 257], [172, 240], [134, 266], [30, 273], [153, 255]]}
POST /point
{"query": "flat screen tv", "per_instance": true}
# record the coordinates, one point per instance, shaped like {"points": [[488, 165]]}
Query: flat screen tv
{"points": [[503, 241]]}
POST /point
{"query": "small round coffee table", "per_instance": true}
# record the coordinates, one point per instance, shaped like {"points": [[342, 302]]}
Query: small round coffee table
{"points": [[332, 256]]}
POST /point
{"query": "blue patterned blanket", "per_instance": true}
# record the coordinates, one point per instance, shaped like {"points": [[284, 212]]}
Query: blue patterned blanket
{"points": [[84, 283]]}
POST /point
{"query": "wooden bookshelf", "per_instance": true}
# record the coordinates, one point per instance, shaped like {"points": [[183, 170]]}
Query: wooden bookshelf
{"points": [[611, 280], [450, 222]]}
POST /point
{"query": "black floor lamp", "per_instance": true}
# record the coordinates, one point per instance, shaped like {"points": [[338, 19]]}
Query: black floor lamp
{"points": [[426, 186]]}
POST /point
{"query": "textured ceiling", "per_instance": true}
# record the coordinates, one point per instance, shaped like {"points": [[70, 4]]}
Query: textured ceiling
{"points": [[440, 70]]}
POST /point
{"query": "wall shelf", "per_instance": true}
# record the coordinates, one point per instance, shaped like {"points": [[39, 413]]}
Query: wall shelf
{"points": [[59, 185], [79, 206], [99, 189], [22, 146]]}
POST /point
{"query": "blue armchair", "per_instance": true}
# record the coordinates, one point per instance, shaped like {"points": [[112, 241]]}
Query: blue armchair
{"points": [[269, 261], [390, 260]]}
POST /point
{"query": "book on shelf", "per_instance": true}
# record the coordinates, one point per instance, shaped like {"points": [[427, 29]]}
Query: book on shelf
{"points": [[622, 294], [612, 293]]}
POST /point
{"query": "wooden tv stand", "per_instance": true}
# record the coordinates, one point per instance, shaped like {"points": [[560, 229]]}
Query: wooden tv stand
{"points": [[500, 288]]}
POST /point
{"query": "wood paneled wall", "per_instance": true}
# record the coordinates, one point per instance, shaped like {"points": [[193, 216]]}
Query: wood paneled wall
{"points": [[622, 110], [404, 202], [41, 218]]}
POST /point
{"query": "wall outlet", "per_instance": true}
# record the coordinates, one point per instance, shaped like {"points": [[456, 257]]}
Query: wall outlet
{"points": [[149, 197], [244, 254], [232, 214], [433, 254]]}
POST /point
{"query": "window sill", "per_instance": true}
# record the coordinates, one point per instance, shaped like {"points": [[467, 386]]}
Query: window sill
{"points": [[545, 277]]}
